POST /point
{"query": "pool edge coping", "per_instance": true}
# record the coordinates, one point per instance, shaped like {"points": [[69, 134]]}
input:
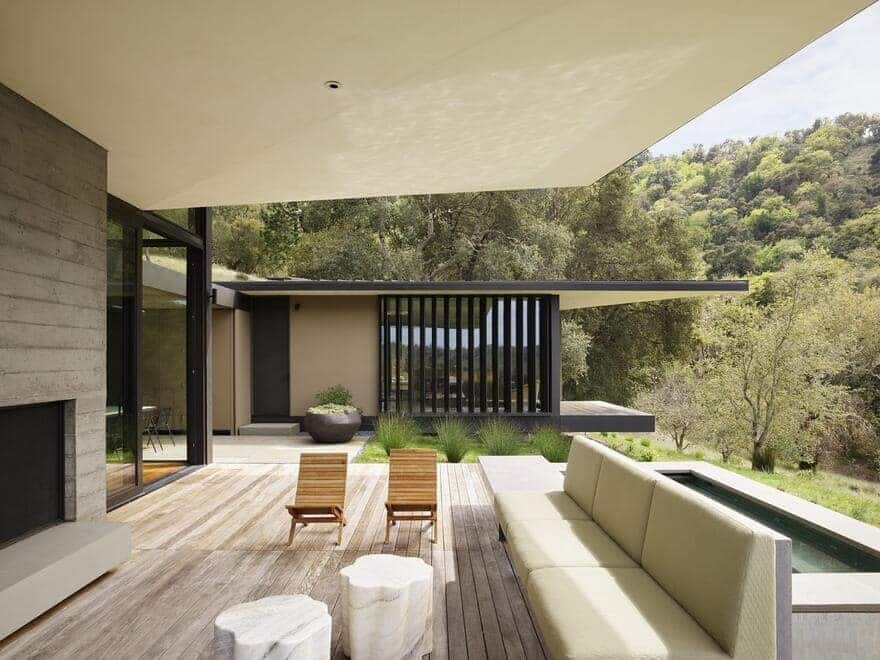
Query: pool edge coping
{"points": [[810, 592]]}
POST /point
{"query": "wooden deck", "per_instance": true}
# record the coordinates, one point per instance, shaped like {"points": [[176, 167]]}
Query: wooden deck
{"points": [[217, 537]]}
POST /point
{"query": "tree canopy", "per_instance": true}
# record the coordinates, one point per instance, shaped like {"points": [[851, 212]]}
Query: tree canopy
{"points": [[755, 208]]}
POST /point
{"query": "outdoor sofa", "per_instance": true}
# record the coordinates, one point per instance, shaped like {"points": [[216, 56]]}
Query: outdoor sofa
{"points": [[625, 562]]}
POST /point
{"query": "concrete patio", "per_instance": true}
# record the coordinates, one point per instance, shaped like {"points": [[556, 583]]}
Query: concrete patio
{"points": [[253, 448]]}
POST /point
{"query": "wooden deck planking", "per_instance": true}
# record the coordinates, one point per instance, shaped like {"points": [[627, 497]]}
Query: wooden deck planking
{"points": [[218, 537]]}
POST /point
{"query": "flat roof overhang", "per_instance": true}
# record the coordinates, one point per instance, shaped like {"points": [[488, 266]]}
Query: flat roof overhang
{"points": [[223, 102], [573, 294]]}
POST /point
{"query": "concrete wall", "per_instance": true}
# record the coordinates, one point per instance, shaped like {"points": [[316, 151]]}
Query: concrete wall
{"points": [[163, 366], [223, 384], [334, 339], [243, 375], [824, 635], [53, 223]]}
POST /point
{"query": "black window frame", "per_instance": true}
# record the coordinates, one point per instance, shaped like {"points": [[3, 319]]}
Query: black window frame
{"points": [[199, 295]]}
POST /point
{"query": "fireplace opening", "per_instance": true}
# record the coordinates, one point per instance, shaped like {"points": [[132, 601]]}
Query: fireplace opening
{"points": [[31, 468]]}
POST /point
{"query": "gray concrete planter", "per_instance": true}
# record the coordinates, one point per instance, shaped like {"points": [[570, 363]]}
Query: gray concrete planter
{"points": [[332, 428]]}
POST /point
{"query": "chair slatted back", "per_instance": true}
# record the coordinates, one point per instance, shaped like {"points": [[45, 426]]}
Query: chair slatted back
{"points": [[321, 480], [412, 476]]}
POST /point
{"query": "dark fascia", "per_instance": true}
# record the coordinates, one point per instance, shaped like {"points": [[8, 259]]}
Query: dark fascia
{"points": [[223, 297], [501, 286]]}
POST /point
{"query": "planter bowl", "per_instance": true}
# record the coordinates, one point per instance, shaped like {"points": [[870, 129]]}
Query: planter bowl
{"points": [[332, 428]]}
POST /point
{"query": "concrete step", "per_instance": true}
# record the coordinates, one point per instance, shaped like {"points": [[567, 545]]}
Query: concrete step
{"points": [[264, 428]]}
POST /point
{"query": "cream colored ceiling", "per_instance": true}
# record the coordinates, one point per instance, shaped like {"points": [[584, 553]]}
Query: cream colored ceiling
{"points": [[222, 101]]}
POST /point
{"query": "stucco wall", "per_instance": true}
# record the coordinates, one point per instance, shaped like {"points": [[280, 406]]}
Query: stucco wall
{"points": [[243, 375], [333, 339], [222, 384], [53, 233]]}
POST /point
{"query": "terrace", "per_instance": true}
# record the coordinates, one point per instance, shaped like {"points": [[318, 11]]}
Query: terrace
{"points": [[218, 537], [122, 125]]}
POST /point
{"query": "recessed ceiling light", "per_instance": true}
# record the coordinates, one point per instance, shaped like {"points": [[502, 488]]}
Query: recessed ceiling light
{"points": [[332, 84]]}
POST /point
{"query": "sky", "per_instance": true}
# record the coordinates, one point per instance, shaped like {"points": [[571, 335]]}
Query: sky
{"points": [[839, 72]]}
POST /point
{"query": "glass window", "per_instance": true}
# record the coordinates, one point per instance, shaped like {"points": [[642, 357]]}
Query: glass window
{"points": [[121, 417], [180, 217], [163, 357], [155, 319]]}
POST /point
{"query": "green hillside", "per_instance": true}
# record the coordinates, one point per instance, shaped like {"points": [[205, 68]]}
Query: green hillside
{"points": [[791, 371]]}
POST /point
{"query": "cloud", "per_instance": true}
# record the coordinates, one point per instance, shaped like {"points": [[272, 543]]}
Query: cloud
{"points": [[835, 74]]}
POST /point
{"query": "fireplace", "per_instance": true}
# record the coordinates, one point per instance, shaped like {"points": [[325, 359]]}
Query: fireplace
{"points": [[31, 468]]}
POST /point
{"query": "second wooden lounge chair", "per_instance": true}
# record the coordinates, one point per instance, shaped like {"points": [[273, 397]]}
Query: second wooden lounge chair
{"points": [[412, 488], [320, 492]]}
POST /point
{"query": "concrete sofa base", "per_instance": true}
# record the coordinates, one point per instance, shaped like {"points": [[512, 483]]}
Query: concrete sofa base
{"points": [[42, 570]]}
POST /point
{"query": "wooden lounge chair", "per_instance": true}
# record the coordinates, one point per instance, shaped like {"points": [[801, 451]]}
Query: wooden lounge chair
{"points": [[412, 488], [320, 492]]}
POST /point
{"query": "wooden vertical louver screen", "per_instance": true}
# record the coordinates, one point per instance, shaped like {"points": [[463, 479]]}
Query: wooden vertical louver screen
{"points": [[463, 354]]}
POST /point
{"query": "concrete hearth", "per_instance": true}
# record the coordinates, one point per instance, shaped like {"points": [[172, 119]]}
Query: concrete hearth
{"points": [[41, 570]]}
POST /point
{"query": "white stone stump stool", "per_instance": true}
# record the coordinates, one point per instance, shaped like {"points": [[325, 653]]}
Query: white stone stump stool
{"points": [[275, 628], [386, 607]]}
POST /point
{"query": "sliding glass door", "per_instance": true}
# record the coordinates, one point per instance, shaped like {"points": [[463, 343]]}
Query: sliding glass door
{"points": [[163, 356], [157, 298], [122, 313]]}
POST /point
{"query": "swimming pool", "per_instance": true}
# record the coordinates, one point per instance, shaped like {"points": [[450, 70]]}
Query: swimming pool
{"points": [[812, 550]]}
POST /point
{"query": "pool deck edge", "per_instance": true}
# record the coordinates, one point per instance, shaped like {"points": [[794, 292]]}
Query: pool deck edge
{"points": [[810, 592]]}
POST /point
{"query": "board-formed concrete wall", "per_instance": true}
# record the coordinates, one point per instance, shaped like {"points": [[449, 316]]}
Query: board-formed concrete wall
{"points": [[163, 366], [53, 222]]}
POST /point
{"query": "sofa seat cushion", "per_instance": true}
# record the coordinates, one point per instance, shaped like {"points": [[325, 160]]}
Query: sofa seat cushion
{"points": [[613, 613], [535, 544], [526, 505]]}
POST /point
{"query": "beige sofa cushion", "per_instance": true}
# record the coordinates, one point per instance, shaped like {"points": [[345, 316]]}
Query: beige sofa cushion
{"points": [[535, 544], [582, 471], [613, 613], [527, 505], [720, 570], [623, 501]]}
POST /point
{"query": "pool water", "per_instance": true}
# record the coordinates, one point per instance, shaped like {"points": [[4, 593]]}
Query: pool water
{"points": [[812, 550]]}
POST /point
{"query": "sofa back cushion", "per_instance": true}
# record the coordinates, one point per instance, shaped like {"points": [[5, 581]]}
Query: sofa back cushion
{"points": [[623, 501], [700, 555], [582, 471]]}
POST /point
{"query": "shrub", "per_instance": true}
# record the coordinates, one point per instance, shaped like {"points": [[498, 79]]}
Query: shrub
{"points": [[645, 455], [331, 409], [645, 442], [859, 511], [699, 455], [336, 394], [452, 437], [552, 444], [498, 437], [764, 459], [625, 446], [395, 432]]}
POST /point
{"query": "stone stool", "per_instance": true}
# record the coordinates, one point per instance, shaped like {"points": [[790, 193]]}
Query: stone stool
{"points": [[276, 628], [386, 607]]}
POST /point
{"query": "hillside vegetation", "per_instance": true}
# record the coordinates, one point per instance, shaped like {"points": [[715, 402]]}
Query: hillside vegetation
{"points": [[790, 372], [755, 205]]}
